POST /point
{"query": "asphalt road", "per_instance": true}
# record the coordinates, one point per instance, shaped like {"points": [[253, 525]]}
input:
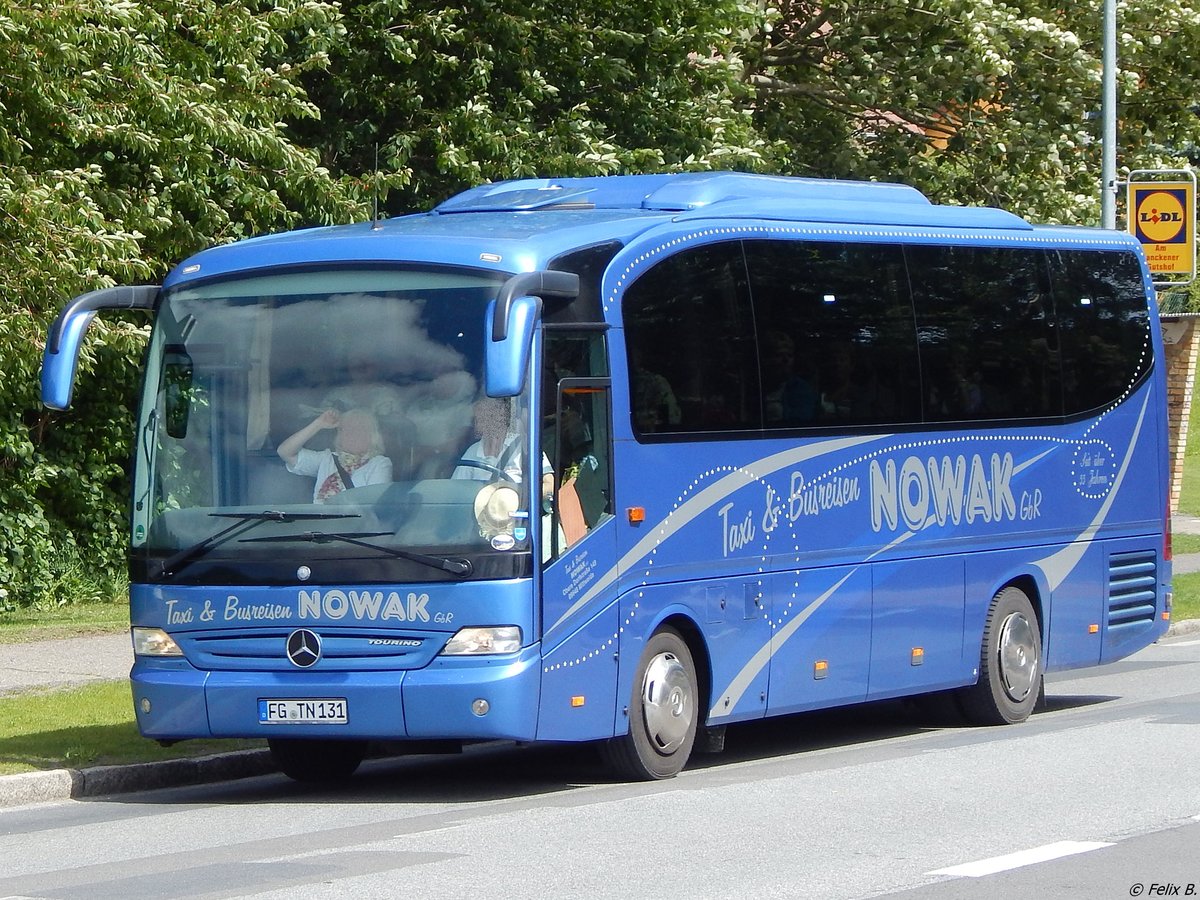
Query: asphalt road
{"points": [[877, 800]]}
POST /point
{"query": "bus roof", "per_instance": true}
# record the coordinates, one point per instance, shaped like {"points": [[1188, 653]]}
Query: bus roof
{"points": [[515, 226]]}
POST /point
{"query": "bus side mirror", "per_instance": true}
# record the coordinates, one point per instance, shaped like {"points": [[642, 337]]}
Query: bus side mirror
{"points": [[177, 391], [511, 320], [58, 366], [508, 357], [61, 356]]}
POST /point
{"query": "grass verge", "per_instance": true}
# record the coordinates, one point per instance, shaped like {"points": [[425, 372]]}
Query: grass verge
{"points": [[90, 725], [1185, 543], [1187, 597], [18, 626], [1189, 494]]}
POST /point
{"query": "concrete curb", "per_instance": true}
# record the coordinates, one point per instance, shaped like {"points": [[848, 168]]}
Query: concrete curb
{"points": [[98, 781], [1188, 626]]}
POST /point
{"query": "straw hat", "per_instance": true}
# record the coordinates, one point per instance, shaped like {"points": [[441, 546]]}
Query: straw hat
{"points": [[494, 508]]}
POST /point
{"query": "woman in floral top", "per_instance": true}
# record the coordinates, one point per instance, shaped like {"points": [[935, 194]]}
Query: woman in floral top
{"points": [[356, 459]]}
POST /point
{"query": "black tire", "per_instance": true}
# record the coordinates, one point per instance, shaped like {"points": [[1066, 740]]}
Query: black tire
{"points": [[1010, 663], [315, 760], [664, 712]]}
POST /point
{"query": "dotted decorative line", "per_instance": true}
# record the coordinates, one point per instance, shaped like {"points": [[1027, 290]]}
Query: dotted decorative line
{"points": [[896, 232], [893, 233], [1080, 487], [724, 470], [1146, 348], [662, 533]]}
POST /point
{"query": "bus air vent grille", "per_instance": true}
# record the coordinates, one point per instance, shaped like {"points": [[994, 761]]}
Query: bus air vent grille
{"points": [[1132, 593], [342, 649]]}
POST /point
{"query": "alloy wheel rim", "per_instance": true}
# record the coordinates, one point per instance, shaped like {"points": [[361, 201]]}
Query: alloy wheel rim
{"points": [[668, 703], [1018, 656]]}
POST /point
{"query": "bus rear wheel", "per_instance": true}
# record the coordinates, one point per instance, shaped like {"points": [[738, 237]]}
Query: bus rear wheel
{"points": [[315, 760], [1010, 663], [663, 712]]}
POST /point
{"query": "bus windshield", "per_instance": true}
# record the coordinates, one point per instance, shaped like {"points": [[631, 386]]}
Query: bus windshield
{"points": [[329, 425]]}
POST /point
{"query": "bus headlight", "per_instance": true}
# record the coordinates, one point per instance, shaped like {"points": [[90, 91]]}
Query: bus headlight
{"points": [[154, 642], [480, 641]]}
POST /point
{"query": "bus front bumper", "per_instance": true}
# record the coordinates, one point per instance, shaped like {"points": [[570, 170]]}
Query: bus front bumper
{"points": [[453, 698]]}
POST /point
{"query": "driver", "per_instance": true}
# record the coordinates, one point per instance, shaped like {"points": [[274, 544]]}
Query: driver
{"points": [[498, 451]]}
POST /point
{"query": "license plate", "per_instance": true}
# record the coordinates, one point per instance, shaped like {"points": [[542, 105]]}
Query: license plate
{"points": [[324, 711]]}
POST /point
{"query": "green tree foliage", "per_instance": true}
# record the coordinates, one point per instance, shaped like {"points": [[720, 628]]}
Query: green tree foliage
{"points": [[974, 101], [457, 94], [131, 134]]}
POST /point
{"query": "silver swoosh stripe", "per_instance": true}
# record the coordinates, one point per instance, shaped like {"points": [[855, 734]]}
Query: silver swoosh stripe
{"points": [[742, 681], [705, 500], [1058, 566]]}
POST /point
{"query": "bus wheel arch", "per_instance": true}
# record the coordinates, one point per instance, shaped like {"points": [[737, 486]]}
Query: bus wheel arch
{"points": [[1011, 658], [668, 699]]}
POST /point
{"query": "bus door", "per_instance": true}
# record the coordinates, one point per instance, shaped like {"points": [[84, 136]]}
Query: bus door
{"points": [[579, 540]]}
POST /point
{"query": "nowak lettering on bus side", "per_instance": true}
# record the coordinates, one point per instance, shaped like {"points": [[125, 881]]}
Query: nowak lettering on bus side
{"points": [[943, 490], [366, 605]]}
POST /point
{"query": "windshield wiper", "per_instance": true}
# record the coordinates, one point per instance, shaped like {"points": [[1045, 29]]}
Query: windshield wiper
{"points": [[245, 522], [449, 564]]}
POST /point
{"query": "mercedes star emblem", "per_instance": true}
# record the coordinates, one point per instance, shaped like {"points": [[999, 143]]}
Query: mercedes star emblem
{"points": [[304, 648]]}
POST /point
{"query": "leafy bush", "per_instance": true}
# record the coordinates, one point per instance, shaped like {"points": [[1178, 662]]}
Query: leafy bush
{"points": [[131, 135]]}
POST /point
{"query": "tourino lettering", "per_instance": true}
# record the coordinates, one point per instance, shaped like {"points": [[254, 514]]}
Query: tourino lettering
{"points": [[945, 490]]}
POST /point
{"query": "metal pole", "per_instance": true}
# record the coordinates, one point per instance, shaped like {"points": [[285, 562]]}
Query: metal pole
{"points": [[1108, 140]]}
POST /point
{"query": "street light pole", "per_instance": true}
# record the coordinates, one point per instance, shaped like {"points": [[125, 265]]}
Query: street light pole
{"points": [[1108, 140]]}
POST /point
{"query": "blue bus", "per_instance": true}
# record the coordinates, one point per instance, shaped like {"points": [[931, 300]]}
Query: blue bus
{"points": [[628, 459]]}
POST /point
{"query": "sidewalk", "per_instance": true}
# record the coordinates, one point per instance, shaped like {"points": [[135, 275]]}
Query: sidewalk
{"points": [[1188, 562], [73, 661], [65, 662]]}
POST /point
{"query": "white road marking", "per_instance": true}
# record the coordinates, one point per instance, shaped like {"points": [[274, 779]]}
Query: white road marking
{"points": [[1020, 858]]}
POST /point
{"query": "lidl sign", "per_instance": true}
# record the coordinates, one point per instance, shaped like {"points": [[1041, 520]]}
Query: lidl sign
{"points": [[1162, 216]]}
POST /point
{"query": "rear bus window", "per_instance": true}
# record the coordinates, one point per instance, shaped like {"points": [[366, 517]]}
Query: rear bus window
{"points": [[1104, 324]]}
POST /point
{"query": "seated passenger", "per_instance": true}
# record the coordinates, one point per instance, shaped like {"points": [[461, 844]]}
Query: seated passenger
{"points": [[356, 459], [654, 405]]}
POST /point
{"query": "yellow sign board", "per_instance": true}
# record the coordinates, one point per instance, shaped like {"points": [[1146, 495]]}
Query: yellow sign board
{"points": [[1162, 216]]}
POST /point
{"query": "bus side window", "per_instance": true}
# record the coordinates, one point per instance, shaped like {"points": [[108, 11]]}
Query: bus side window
{"points": [[985, 322], [689, 338], [835, 333]]}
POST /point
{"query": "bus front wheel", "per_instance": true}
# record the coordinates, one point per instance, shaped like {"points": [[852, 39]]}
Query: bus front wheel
{"points": [[314, 760], [1010, 663], [663, 712]]}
